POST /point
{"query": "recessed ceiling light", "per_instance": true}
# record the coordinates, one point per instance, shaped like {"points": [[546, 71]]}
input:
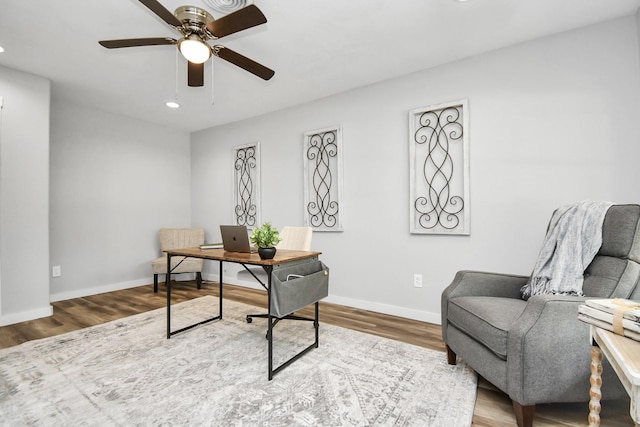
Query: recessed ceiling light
{"points": [[1, 49], [172, 104]]}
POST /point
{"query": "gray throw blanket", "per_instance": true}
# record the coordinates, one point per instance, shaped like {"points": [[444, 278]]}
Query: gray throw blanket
{"points": [[572, 241]]}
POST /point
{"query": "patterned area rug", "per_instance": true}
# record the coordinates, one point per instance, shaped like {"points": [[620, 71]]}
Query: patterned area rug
{"points": [[127, 373]]}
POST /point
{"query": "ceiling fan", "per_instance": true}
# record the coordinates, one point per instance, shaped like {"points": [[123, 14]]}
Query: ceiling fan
{"points": [[197, 27]]}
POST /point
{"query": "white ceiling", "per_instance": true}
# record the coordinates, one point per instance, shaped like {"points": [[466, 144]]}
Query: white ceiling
{"points": [[316, 47]]}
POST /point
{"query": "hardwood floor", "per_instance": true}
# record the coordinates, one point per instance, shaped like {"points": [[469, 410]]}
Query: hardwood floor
{"points": [[493, 408]]}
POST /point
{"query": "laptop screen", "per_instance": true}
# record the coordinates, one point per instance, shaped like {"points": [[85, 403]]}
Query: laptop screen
{"points": [[235, 238]]}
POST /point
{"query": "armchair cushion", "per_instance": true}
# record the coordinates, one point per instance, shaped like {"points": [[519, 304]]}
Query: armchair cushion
{"points": [[486, 318], [619, 233], [603, 276]]}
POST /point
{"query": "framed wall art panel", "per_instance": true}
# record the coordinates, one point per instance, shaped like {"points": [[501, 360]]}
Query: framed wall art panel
{"points": [[246, 185], [323, 179], [439, 169]]}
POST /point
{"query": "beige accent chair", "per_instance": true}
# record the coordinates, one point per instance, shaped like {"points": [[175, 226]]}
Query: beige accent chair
{"points": [[178, 238]]}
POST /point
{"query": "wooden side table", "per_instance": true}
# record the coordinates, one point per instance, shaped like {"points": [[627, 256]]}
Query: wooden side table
{"points": [[624, 355]]}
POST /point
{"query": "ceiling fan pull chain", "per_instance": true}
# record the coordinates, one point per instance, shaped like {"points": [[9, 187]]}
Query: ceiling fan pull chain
{"points": [[176, 92], [212, 84]]}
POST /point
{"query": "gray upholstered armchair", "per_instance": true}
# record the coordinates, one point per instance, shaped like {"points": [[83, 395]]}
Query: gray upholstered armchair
{"points": [[537, 351]]}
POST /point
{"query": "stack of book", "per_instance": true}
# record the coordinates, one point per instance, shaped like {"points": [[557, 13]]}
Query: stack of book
{"points": [[212, 246], [621, 316]]}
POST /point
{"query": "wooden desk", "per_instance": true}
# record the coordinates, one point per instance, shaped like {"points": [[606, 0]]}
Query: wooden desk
{"points": [[283, 257], [624, 355]]}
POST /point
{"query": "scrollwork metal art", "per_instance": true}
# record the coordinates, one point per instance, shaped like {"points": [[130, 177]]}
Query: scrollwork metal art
{"points": [[439, 207], [245, 165], [322, 192]]}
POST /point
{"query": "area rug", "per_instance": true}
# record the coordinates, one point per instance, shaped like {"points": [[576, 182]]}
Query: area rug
{"points": [[126, 373]]}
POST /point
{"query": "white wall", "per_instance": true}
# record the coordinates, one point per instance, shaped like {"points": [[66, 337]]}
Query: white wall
{"points": [[552, 121], [24, 196], [638, 29], [114, 182]]}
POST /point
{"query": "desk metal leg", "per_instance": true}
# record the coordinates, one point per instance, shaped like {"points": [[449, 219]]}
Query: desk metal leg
{"points": [[269, 269], [168, 283], [316, 324], [169, 332], [273, 320], [272, 371], [220, 291]]}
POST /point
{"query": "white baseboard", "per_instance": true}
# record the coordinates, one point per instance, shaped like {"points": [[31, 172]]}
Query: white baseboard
{"points": [[393, 310], [423, 316], [61, 296], [23, 316]]}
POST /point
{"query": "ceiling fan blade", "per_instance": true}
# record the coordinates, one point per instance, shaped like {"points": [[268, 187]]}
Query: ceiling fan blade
{"points": [[162, 12], [195, 74], [243, 62], [239, 20], [152, 41]]}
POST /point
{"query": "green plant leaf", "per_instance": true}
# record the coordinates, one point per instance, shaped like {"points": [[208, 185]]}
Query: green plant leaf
{"points": [[266, 236]]}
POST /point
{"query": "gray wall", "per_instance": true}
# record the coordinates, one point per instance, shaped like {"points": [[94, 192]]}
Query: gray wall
{"points": [[114, 182], [552, 121], [24, 196], [638, 29]]}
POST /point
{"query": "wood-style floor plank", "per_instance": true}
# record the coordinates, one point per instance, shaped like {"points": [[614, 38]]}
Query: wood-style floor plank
{"points": [[493, 408]]}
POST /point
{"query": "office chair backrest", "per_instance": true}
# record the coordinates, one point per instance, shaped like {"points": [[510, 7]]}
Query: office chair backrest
{"points": [[295, 238], [178, 238]]}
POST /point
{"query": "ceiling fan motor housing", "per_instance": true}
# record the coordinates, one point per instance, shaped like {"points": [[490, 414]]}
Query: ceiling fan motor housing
{"points": [[194, 21]]}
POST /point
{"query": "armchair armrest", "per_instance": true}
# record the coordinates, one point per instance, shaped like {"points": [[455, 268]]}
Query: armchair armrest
{"points": [[549, 352], [479, 283]]}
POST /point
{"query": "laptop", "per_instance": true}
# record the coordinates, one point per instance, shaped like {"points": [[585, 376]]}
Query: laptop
{"points": [[235, 238]]}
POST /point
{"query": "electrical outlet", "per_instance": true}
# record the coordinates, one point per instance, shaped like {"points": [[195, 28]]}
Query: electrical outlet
{"points": [[56, 271], [417, 280]]}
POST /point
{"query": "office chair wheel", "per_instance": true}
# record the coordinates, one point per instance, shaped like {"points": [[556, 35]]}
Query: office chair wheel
{"points": [[249, 319]]}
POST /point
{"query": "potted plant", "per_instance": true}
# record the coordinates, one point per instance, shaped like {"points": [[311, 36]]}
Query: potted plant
{"points": [[265, 238]]}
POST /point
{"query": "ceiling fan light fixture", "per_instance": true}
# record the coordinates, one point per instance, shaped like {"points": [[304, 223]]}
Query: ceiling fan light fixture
{"points": [[194, 49]]}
